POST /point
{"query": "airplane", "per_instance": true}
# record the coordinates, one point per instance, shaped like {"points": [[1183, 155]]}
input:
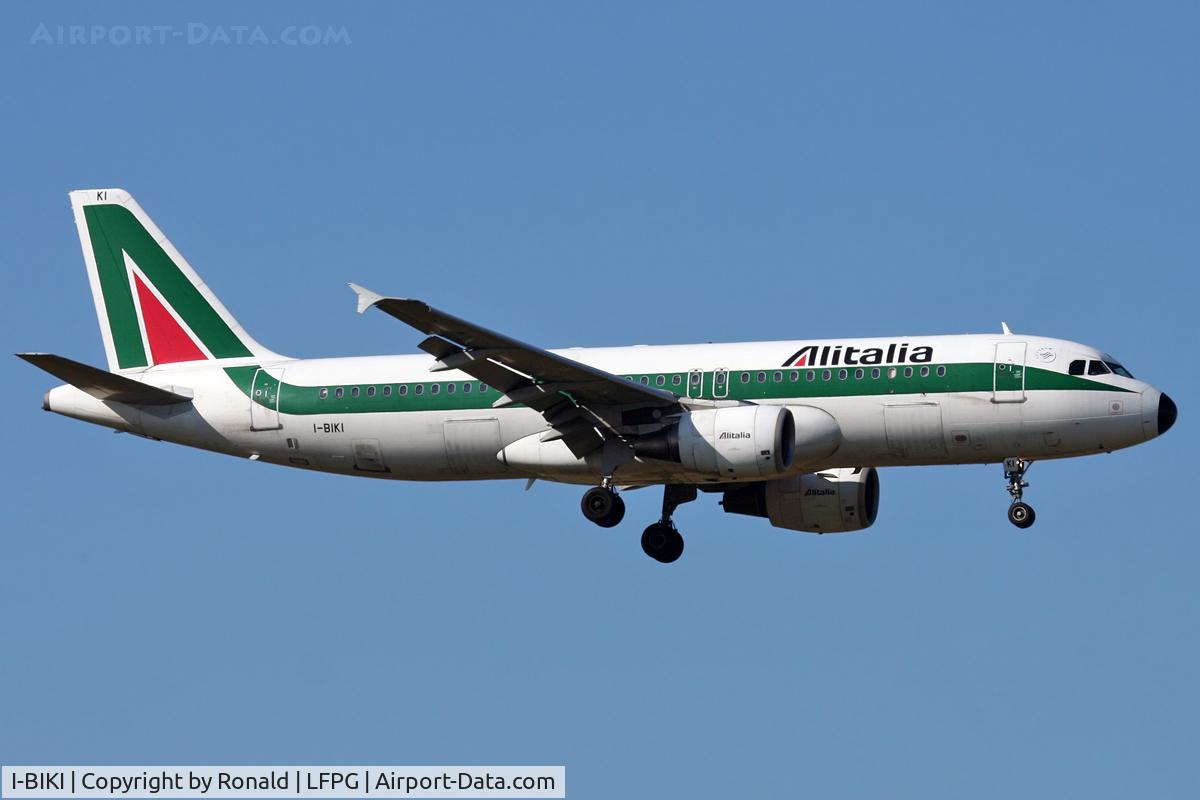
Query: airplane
{"points": [[789, 431]]}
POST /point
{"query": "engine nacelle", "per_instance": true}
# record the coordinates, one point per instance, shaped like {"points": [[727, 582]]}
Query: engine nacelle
{"points": [[830, 501], [737, 443], [728, 444]]}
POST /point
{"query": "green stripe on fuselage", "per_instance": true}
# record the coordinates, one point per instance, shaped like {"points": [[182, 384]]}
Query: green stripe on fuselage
{"points": [[977, 377]]}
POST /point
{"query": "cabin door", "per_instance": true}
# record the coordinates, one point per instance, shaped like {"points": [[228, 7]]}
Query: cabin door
{"points": [[264, 401], [1008, 374]]}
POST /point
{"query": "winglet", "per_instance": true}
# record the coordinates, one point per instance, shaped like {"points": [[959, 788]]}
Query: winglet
{"points": [[1003, 328], [366, 298]]}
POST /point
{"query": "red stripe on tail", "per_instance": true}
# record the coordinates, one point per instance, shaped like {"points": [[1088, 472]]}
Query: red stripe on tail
{"points": [[168, 341]]}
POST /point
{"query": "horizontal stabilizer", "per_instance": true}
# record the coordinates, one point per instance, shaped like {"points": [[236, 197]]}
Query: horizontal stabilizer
{"points": [[101, 384]]}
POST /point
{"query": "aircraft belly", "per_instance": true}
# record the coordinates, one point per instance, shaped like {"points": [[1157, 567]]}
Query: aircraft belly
{"points": [[890, 430]]}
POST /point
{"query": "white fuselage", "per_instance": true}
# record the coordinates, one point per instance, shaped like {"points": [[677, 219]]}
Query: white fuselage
{"points": [[982, 398]]}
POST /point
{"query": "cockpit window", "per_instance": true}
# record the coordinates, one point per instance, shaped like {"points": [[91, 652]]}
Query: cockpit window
{"points": [[1078, 367], [1097, 368], [1117, 368]]}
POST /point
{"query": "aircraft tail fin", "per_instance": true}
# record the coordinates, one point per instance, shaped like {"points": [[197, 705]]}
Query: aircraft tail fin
{"points": [[152, 306]]}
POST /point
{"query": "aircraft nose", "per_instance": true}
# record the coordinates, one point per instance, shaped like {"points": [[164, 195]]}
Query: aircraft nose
{"points": [[1167, 413]]}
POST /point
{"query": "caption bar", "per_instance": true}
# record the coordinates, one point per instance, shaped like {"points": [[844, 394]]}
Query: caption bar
{"points": [[283, 781]]}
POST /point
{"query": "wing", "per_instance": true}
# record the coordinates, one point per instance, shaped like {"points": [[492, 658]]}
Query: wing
{"points": [[584, 405]]}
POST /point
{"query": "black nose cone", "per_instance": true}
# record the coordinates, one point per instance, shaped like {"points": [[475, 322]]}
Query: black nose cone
{"points": [[1167, 412]]}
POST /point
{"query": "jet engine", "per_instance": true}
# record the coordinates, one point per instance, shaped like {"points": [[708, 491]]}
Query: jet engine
{"points": [[746, 442], [736, 443], [830, 501]]}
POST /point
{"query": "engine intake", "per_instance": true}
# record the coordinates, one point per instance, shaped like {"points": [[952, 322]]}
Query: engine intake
{"points": [[830, 501]]}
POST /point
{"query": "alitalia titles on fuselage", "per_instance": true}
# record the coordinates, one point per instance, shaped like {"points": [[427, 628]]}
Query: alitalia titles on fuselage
{"points": [[837, 355]]}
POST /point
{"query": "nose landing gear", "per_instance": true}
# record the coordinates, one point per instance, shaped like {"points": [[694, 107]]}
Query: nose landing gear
{"points": [[1019, 513]]}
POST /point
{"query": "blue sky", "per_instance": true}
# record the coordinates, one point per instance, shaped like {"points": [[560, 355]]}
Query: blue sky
{"points": [[614, 174]]}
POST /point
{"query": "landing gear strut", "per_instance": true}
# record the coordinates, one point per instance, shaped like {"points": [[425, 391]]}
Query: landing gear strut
{"points": [[1019, 513], [602, 505], [661, 541]]}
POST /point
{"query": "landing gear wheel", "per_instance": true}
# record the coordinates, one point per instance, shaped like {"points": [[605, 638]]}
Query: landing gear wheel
{"points": [[662, 542], [1021, 515], [603, 506]]}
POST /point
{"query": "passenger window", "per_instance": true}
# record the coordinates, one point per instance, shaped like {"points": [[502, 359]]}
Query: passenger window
{"points": [[811, 375], [419, 389], [435, 388], [644, 380], [466, 388], [450, 387], [843, 374], [778, 377], [661, 380], [924, 372], [826, 375], [858, 374], [891, 373], [762, 377], [1077, 367], [370, 391], [795, 376], [403, 390], [1097, 368], [354, 392], [338, 392], [908, 372], [323, 394], [483, 387], [720, 378], [676, 380], [387, 390], [875, 373], [745, 377], [941, 372], [695, 379]]}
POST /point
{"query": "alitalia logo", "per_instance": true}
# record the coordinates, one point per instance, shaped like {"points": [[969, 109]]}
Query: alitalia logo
{"points": [[832, 355], [734, 435], [155, 314]]}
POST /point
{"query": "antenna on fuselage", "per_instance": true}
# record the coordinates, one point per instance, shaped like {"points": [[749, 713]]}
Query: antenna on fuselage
{"points": [[1004, 328]]}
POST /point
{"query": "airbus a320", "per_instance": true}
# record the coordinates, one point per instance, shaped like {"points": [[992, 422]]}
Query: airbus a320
{"points": [[789, 431]]}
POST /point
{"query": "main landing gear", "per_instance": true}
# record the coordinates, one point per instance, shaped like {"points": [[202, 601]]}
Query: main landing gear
{"points": [[602, 505], [661, 541], [1019, 513]]}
